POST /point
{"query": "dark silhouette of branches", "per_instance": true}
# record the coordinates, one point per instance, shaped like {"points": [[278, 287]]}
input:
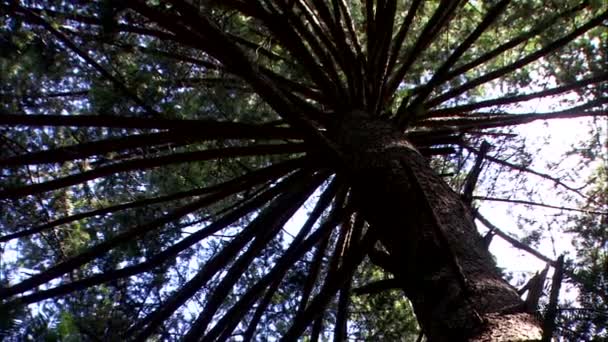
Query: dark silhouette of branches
{"points": [[490, 17], [83, 150], [525, 169], [519, 63], [289, 78], [296, 250], [210, 129], [242, 183], [525, 36], [268, 222], [147, 163], [165, 255], [505, 100], [544, 205]]}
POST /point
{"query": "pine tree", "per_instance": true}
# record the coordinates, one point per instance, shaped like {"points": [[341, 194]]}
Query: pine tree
{"points": [[154, 153]]}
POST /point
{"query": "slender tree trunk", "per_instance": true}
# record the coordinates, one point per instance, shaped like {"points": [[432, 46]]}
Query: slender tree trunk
{"points": [[430, 239]]}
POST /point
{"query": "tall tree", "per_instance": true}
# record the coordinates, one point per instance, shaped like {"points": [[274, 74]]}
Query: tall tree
{"points": [[155, 152]]}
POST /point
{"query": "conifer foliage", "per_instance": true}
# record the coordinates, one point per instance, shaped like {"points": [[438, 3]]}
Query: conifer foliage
{"points": [[177, 169]]}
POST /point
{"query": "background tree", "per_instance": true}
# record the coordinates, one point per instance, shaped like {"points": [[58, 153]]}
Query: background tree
{"points": [[154, 153]]}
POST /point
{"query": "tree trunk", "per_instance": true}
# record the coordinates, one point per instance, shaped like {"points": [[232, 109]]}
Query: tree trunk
{"points": [[433, 247]]}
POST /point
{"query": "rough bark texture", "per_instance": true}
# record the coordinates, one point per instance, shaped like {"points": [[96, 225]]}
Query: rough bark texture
{"points": [[435, 249]]}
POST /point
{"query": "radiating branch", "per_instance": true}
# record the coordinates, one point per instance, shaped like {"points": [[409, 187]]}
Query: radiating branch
{"points": [[478, 121], [166, 255], [298, 247], [98, 250], [473, 176], [514, 242], [537, 204], [440, 18], [492, 75], [525, 169], [148, 163], [505, 100], [330, 287], [378, 286], [210, 129], [539, 28], [441, 73], [549, 322], [214, 41], [241, 183], [129, 142], [271, 219]]}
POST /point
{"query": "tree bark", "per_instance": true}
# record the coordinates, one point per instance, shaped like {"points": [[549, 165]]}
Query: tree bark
{"points": [[457, 292]]}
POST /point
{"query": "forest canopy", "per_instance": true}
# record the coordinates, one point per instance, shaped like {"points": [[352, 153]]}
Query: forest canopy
{"points": [[301, 169]]}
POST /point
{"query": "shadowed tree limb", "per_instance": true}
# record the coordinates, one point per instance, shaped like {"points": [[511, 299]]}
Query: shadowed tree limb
{"points": [[291, 41], [535, 287], [524, 169], [319, 45], [96, 251], [296, 250], [551, 313], [100, 147], [324, 231], [293, 253], [232, 186], [541, 27], [505, 100], [211, 129], [441, 17], [514, 242], [382, 260], [473, 176], [163, 256], [492, 75], [354, 228], [331, 286], [148, 163], [519, 245], [379, 54], [341, 325], [480, 121], [517, 201], [271, 219], [212, 40], [397, 43], [441, 73], [313, 273], [259, 312]]}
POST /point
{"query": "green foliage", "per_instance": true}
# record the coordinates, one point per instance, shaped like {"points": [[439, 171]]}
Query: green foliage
{"points": [[231, 76]]}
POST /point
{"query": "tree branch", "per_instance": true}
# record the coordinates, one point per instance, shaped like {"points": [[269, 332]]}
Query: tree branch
{"points": [[296, 250], [237, 184], [551, 313], [446, 112], [100, 147], [440, 18], [544, 25], [148, 163], [471, 180], [441, 73], [487, 77], [518, 201], [164, 256], [272, 218]]}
